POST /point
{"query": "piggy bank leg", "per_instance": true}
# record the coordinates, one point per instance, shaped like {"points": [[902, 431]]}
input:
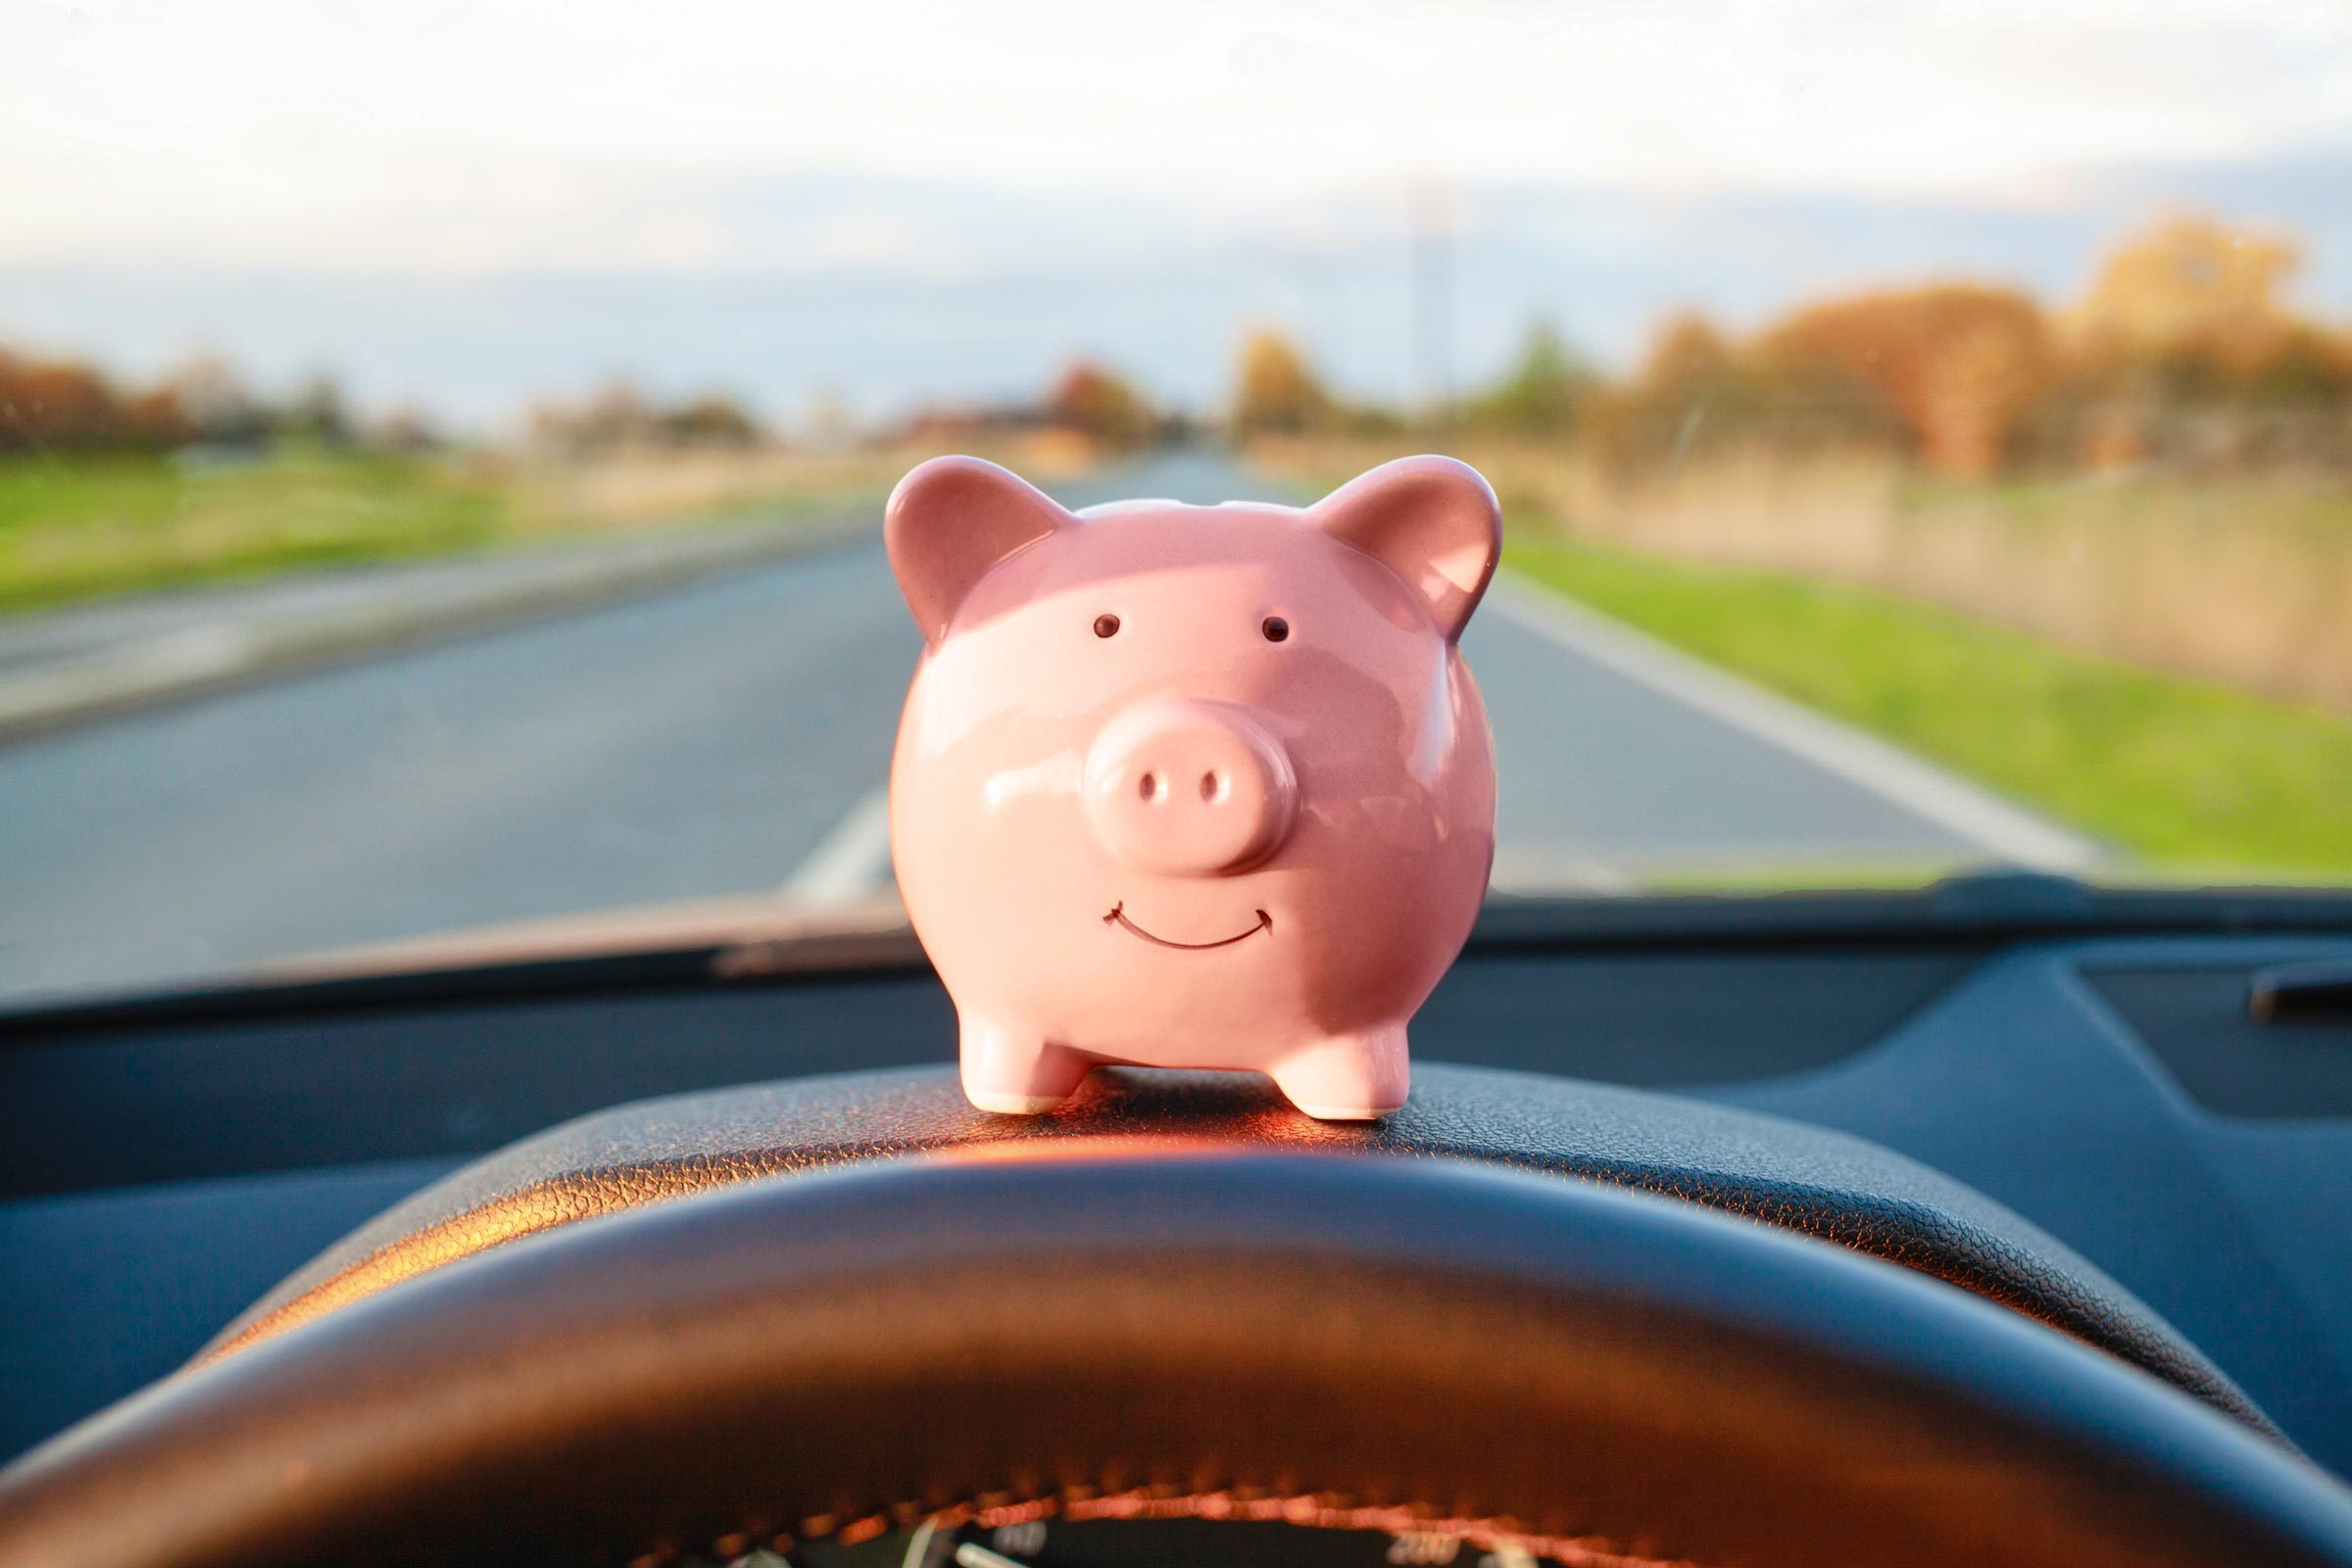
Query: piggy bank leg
{"points": [[1358, 1077], [1013, 1073]]}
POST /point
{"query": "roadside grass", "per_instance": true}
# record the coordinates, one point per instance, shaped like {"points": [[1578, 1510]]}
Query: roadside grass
{"points": [[2240, 577], [72, 529], [77, 528], [2209, 782], [1791, 876]]}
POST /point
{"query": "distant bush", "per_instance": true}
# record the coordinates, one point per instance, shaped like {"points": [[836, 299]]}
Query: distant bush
{"points": [[58, 405], [67, 406], [1543, 393], [711, 420], [619, 418], [1100, 404], [1276, 392]]}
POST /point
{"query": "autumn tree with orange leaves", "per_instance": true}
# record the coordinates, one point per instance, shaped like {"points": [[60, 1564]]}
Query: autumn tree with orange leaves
{"points": [[1275, 390], [58, 405], [2185, 350], [1099, 405], [2188, 350], [1955, 364]]}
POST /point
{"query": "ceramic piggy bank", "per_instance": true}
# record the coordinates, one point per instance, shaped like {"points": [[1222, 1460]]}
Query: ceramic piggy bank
{"points": [[1191, 786]]}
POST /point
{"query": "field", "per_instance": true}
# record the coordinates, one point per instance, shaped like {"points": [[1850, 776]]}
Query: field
{"points": [[2166, 666], [2198, 778], [2244, 579], [78, 528], [2163, 662]]}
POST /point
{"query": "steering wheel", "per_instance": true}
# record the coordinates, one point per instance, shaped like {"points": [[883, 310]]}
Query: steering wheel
{"points": [[873, 1307]]}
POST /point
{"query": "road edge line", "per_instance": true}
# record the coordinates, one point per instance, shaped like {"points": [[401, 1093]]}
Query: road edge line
{"points": [[194, 661], [1917, 786], [851, 862]]}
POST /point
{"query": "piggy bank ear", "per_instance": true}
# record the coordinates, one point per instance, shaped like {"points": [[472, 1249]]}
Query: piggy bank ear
{"points": [[1431, 521], [952, 519]]}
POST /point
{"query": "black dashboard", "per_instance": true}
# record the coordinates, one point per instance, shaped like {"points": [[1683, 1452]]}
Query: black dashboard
{"points": [[2093, 1068]]}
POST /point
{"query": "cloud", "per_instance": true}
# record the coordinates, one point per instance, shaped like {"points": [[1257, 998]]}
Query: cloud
{"points": [[436, 137], [894, 292], [463, 204]]}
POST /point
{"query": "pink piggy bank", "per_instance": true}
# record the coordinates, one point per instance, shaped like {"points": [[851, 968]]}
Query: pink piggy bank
{"points": [[1191, 786]]}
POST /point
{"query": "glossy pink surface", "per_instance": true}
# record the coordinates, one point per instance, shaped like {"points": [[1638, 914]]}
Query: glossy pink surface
{"points": [[1193, 786]]}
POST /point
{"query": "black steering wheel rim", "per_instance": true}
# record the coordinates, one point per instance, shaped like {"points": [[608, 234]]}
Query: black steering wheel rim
{"points": [[1423, 1338]]}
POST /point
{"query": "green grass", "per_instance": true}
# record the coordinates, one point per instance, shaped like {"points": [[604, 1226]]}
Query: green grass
{"points": [[73, 529], [2204, 780]]}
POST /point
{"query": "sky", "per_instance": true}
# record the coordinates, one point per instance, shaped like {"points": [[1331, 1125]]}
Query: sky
{"points": [[465, 205]]}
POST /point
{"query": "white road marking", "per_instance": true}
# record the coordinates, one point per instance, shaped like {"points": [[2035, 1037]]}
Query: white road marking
{"points": [[849, 863], [972, 1554], [1519, 869], [1919, 787]]}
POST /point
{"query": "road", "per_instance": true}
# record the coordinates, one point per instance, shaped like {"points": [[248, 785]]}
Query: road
{"points": [[731, 736]]}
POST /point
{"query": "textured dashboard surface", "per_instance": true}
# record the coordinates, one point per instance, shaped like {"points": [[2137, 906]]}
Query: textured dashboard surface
{"points": [[135, 1104], [2025, 1084], [1778, 1173], [159, 1178]]}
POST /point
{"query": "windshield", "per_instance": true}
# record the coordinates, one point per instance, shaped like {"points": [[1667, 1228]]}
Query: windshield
{"points": [[442, 447]]}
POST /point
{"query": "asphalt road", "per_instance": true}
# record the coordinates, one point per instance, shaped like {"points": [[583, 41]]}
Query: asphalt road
{"points": [[731, 736]]}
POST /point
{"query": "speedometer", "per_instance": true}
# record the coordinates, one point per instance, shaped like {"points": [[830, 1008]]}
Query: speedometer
{"points": [[1298, 1538]]}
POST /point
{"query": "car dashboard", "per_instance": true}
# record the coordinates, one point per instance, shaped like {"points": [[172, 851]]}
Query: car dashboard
{"points": [[2091, 1067]]}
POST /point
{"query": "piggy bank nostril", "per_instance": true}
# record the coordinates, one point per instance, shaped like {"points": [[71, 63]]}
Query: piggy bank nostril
{"points": [[1212, 787], [1148, 786]]}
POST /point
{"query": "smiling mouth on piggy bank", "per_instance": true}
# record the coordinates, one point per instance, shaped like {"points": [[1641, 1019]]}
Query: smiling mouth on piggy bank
{"points": [[1119, 916]]}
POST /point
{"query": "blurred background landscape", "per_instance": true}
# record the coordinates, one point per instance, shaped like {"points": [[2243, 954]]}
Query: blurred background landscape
{"points": [[2148, 487], [1976, 377]]}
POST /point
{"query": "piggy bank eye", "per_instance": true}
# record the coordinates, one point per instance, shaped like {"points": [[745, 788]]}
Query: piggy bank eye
{"points": [[1275, 627], [1106, 625]]}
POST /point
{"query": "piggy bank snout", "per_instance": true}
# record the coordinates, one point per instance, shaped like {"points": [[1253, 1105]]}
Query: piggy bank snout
{"points": [[1188, 788]]}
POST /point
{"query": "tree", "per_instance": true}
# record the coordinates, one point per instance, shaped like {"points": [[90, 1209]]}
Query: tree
{"points": [[153, 420], [1275, 390], [2194, 292], [1096, 403], [1688, 355], [712, 420], [2188, 350], [53, 403], [1542, 392], [1957, 363], [316, 414], [1688, 389], [2192, 311], [58, 405]]}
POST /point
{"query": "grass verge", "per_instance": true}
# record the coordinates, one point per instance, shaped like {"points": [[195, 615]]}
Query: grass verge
{"points": [[76, 528], [2206, 781], [79, 527]]}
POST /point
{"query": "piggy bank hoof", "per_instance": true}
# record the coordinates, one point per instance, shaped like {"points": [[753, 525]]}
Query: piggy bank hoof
{"points": [[1000, 1103], [1359, 1077], [1012, 1072], [1346, 1112]]}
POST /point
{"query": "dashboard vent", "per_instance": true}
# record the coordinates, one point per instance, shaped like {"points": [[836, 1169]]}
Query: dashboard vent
{"points": [[2196, 1020]]}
